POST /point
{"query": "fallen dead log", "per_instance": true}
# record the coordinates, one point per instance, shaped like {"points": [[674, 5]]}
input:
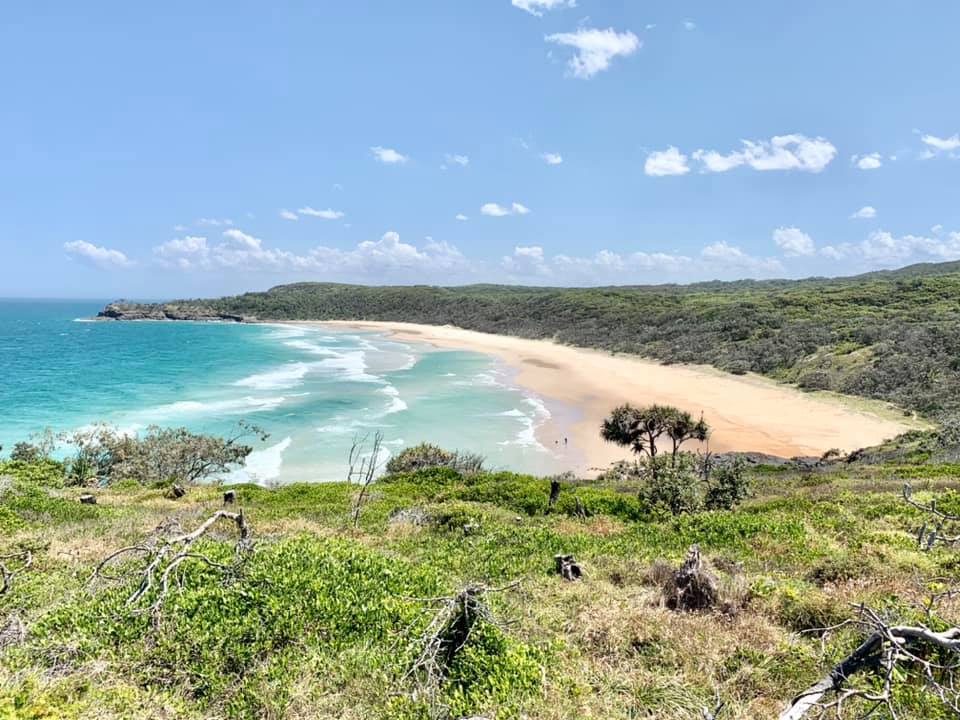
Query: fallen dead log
{"points": [[886, 649]]}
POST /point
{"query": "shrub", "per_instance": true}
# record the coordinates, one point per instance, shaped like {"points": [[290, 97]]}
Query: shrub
{"points": [[425, 456], [727, 484], [161, 455]]}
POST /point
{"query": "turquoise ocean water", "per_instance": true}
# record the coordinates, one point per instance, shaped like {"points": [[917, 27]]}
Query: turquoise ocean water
{"points": [[313, 389]]}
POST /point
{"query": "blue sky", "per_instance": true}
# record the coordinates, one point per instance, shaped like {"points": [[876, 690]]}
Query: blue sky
{"points": [[184, 148]]}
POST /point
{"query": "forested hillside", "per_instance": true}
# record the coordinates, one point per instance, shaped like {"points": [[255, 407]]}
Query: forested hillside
{"points": [[890, 335]]}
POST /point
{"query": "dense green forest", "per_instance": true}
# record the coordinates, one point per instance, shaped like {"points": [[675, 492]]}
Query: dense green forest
{"points": [[893, 336]]}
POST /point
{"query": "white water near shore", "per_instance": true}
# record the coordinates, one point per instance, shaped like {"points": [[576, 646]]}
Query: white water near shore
{"points": [[747, 413], [312, 389]]}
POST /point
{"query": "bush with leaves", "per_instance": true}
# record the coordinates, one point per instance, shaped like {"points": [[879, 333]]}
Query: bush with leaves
{"points": [[691, 483], [727, 483], [425, 456], [161, 455]]}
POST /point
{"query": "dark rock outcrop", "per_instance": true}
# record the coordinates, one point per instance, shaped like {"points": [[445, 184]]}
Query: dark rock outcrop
{"points": [[166, 311]]}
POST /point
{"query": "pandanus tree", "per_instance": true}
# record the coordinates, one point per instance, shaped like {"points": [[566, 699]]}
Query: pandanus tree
{"points": [[639, 428]]}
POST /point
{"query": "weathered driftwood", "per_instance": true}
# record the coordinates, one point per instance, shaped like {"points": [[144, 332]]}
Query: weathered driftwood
{"points": [[447, 634], [886, 648], [693, 587], [13, 632], [24, 558], [163, 557], [567, 567]]}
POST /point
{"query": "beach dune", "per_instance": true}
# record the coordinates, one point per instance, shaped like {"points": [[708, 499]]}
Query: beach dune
{"points": [[747, 413]]}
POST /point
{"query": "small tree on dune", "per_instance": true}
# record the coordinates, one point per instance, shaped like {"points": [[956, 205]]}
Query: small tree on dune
{"points": [[639, 428]]}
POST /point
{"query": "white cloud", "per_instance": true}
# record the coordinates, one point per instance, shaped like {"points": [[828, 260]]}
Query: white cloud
{"points": [[189, 245], [595, 48], [793, 242], [552, 158], [781, 152], [867, 212], [388, 156], [607, 267], [461, 160], [179, 228], [494, 210], [666, 162], [327, 214], [537, 7], [242, 252], [872, 161], [288, 215], [527, 260], [215, 222], [497, 210], [462, 217], [724, 256], [97, 255], [883, 249], [689, 25], [940, 145]]}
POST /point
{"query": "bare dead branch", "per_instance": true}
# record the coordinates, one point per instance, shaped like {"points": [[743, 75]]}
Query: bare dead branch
{"points": [[165, 553], [446, 635], [23, 558], [887, 650], [369, 468]]}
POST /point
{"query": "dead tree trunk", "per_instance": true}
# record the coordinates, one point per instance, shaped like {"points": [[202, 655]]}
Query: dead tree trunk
{"points": [[554, 493], [694, 588], [567, 567]]}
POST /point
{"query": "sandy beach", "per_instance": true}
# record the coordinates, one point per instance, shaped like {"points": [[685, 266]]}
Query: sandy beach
{"points": [[746, 413]]}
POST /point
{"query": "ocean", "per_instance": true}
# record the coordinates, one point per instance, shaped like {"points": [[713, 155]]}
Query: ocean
{"points": [[312, 389]]}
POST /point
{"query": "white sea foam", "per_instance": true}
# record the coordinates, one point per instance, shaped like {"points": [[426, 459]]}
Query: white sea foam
{"points": [[396, 404], [234, 406], [482, 379], [527, 435], [350, 365], [285, 376], [261, 465], [539, 409], [312, 348], [282, 331]]}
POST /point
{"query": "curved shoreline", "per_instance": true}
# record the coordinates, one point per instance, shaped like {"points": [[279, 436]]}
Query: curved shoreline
{"points": [[748, 413]]}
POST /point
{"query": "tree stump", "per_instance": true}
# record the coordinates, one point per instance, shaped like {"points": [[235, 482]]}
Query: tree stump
{"points": [[88, 499], [694, 588], [567, 567], [229, 497], [554, 492]]}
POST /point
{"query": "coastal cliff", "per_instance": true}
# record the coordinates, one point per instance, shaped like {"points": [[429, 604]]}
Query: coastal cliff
{"points": [[168, 311]]}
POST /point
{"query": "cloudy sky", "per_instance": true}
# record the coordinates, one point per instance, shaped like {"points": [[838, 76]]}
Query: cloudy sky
{"points": [[183, 148]]}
